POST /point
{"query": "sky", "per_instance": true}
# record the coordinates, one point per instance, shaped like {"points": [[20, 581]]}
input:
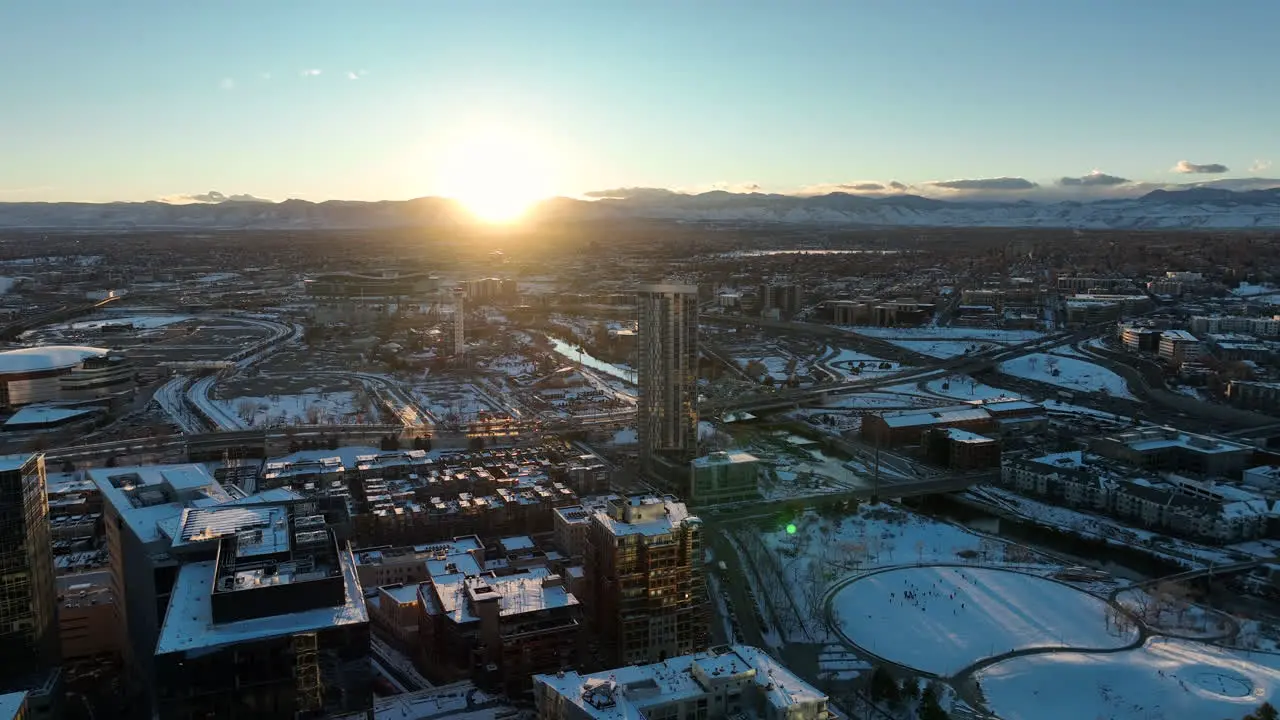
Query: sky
{"points": [[145, 100]]}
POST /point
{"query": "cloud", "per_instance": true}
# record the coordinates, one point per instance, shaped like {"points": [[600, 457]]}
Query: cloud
{"points": [[1207, 169], [1260, 166], [983, 184], [356, 74], [312, 72], [213, 197], [862, 187], [227, 83], [1097, 178], [900, 187], [631, 193]]}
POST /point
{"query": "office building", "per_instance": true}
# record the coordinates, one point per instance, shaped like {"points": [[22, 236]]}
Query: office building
{"points": [[780, 299], [724, 477], [29, 652], [274, 625], [667, 359], [648, 599], [736, 681], [1179, 346]]}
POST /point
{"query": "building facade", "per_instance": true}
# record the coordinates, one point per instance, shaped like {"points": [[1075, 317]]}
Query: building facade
{"points": [[724, 477], [29, 648], [648, 599], [667, 374]]}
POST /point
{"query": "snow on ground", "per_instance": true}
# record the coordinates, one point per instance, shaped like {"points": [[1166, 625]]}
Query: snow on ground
{"points": [[217, 277], [1059, 406], [1111, 529], [1068, 373], [310, 408], [943, 349], [852, 363], [626, 436], [1164, 680], [139, 322], [940, 620], [6, 284], [963, 387], [908, 397], [948, 333], [823, 550]]}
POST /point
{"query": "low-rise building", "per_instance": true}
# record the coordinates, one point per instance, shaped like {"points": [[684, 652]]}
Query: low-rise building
{"points": [[1253, 394], [960, 450], [724, 477], [1173, 450], [724, 682]]}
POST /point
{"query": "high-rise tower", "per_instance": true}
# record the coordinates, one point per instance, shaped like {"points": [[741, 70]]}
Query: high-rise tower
{"points": [[28, 595], [667, 350]]}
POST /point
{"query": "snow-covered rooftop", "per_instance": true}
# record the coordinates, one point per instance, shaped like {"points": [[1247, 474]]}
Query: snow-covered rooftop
{"points": [[965, 436], [46, 357], [530, 590], [9, 463], [11, 703], [725, 458], [189, 625], [43, 414], [634, 692], [645, 515], [939, 416]]}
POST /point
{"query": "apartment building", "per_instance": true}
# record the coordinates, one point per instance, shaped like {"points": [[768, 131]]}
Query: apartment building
{"points": [[735, 681], [724, 477], [645, 564]]}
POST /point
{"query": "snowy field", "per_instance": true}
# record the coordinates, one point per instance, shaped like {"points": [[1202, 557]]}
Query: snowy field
{"points": [[852, 363], [940, 620], [139, 322], [451, 400], [963, 387], [823, 551], [1068, 373], [948, 333], [944, 349], [1163, 680], [310, 408]]}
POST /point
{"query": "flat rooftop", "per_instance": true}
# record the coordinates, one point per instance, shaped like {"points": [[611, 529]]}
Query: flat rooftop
{"points": [[532, 590], [725, 458], [633, 691], [151, 496], [189, 627], [11, 703], [644, 515]]}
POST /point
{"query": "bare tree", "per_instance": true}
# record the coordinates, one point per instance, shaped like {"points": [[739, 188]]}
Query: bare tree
{"points": [[312, 414], [246, 408]]}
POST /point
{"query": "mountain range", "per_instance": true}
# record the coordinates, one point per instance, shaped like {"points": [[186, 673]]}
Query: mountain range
{"points": [[1197, 207]]}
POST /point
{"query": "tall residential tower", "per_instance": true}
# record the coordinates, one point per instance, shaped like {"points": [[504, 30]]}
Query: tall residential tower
{"points": [[29, 653], [667, 350]]}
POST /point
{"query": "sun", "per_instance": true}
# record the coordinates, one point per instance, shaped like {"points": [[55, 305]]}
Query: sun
{"points": [[495, 173]]}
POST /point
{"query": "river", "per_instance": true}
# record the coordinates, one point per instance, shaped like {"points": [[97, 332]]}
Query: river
{"points": [[572, 352]]}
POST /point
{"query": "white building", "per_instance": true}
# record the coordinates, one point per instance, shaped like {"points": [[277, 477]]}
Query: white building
{"points": [[725, 682], [60, 372]]}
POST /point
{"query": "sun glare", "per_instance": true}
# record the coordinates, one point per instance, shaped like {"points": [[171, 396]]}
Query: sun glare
{"points": [[495, 174]]}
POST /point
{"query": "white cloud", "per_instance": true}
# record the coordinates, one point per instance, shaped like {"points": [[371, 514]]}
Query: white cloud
{"points": [[356, 74], [213, 197], [1184, 166], [310, 72], [227, 83], [1260, 166]]}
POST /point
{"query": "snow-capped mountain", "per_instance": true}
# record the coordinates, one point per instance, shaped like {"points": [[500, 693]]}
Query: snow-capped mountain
{"points": [[1200, 207]]}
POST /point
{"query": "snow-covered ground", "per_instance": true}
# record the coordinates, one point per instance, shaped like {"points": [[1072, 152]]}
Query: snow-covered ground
{"points": [[310, 408], [948, 333], [940, 620], [944, 349], [1164, 680], [963, 387], [852, 363], [139, 322], [6, 284], [1068, 373]]}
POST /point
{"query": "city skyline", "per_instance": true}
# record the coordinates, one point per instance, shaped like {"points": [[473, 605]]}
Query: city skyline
{"points": [[501, 106]]}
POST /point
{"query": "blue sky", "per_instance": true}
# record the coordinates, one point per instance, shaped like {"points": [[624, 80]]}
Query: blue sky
{"points": [[139, 99]]}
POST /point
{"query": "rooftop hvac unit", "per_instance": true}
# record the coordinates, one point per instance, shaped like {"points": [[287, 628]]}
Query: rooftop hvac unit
{"points": [[309, 522], [310, 537]]}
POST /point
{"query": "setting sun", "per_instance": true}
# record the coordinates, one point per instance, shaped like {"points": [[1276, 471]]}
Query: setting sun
{"points": [[495, 174]]}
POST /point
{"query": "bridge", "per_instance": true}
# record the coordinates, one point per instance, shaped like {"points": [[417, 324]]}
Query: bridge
{"points": [[963, 365]]}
